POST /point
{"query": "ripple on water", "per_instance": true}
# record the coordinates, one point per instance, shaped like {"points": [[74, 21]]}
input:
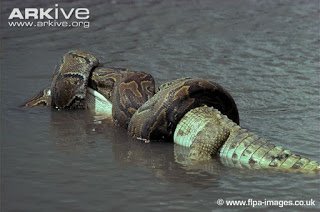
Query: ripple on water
{"points": [[264, 52]]}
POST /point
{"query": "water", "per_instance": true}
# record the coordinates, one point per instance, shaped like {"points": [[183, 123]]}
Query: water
{"points": [[266, 53]]}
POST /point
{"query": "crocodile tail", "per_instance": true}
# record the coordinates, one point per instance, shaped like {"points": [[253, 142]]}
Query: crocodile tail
{"points": [[245, 149], [209, 133]]}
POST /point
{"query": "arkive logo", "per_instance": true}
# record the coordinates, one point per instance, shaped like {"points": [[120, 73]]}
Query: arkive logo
{"points": [[49, 13], [49, 17]]}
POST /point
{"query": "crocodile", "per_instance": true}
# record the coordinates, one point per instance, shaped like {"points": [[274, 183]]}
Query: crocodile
{"points": [[198, 114]]}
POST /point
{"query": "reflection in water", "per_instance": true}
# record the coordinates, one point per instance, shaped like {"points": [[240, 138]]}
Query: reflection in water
{"points": [[161, 159], [167, 161], [71, 130], [265, 52]]}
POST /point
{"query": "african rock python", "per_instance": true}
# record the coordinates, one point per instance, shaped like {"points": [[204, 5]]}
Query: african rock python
{"points": [[195, 113]]}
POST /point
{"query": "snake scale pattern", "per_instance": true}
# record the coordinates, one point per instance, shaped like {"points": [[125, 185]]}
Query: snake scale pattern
{"points": [[158, 117], [195, 113]]}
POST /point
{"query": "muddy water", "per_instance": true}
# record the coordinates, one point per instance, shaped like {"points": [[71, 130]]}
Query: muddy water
{"points": [[266, 53]]}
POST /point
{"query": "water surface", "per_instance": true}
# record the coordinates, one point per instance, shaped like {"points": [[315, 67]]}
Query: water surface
{"points": [[266, 53]]}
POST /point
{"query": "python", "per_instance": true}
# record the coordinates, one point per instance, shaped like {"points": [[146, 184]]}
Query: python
{"points": [[198, 115], [49, 13]]}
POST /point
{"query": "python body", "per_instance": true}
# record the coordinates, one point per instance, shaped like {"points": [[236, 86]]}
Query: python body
{"points": [[195, 113]]}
